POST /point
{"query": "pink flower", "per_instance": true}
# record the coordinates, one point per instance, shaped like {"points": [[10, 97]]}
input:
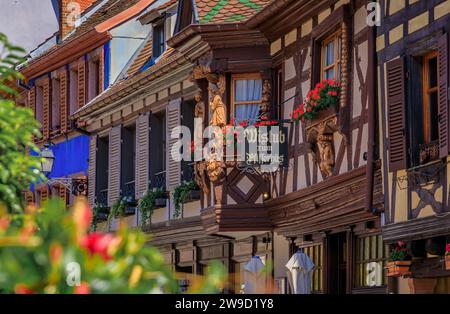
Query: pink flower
{"points": [[83, 288], [98, 243]]}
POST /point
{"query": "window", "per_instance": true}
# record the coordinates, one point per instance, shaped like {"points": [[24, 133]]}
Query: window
{"points": [[94, 79], [430, 97], [246, 97], [331, 57], [128, 155], [371, 257], [159, 40], [101, 179], [423, 109], [315, 253], [158, 150], [56, 105], [73, 91]]}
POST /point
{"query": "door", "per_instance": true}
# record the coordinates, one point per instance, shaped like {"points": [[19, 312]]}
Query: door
{"points": [[337, 263]]}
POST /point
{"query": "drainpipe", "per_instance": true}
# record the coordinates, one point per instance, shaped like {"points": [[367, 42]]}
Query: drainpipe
{"points": [[370, 169]]}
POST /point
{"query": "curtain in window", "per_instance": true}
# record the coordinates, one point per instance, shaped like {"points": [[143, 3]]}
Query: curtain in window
{"points": [[247, 92]]}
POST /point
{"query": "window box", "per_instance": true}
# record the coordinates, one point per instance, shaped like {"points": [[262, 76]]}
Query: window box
{"points": [[322, 116], [194, 195], [102, 214], [399, 268], [161, 202], [447, 262]]}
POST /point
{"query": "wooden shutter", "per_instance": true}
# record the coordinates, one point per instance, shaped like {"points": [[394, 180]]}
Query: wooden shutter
{"points": [[142, 154], [396, 114], [64, 110], [115, 143], [43, 191], [173, 167], [46, 108], [92, 169], [32, 100], [101, 69], [443, 96], [29, 198], [63, 195], [81, 83]]}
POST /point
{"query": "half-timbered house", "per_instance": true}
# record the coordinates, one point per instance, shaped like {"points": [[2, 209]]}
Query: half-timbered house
{"points": [[412, 47], [250, 57]]}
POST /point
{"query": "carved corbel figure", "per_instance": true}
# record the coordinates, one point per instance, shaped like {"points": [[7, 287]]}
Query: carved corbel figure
{"points": [[320, 138], [326, 154]]}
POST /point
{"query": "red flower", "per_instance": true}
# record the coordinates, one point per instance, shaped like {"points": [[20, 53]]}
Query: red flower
{"points": [[244, 123], [21, 288], [447, 249], [97, 243], [83, 288]]}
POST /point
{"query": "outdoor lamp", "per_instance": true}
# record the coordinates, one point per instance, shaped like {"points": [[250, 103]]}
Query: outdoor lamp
{"points": [[48, 158]]}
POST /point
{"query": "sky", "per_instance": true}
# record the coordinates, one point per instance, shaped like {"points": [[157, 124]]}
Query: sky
{"points": [[27, 23]]}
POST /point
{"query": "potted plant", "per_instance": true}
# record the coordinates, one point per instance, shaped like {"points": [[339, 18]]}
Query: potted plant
{"points": [[187, 191], [399, 264], [101, 212], [147, 204], [447, 257], [320, 103], [123, 207]]}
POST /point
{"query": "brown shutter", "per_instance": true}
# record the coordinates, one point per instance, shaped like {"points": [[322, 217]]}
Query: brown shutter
{"points": [[173, 167], [29, 198], [443, 96], [142, 153], [32, 100], [115, 139], [64, 111], [46, 108], [81, 83], [92, 169], [101, 66], [396, 114], [63, 193], [43, 195]]}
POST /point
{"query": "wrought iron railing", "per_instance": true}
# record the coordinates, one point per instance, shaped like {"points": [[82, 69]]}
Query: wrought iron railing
{"points": [[128, 189], [188, 172], [158, 180], [102, 197], [429, 152]]}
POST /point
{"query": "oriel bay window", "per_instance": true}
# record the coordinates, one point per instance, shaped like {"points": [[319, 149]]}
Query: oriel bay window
{"points": [[128, 155], [417, 102], [246, 94], [187, 119]]}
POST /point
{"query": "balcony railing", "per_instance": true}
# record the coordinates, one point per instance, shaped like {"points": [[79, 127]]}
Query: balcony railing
{"points": [[102, 197], [188, 172], [159, 180], [129, 189], [429, 152]]}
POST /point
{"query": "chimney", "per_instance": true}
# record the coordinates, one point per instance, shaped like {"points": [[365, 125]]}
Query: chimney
{"points": [[70, 12]]}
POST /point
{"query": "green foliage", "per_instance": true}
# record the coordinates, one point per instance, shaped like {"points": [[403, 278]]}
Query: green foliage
{"points": [[10, 57], [35, 252], [400, 252], [117, 210], [147, 204], [17, 128], [181, 193], [98, 208]]}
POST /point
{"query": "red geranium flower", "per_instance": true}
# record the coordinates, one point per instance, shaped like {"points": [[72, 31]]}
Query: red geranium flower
{"points": [[97, 243]]}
